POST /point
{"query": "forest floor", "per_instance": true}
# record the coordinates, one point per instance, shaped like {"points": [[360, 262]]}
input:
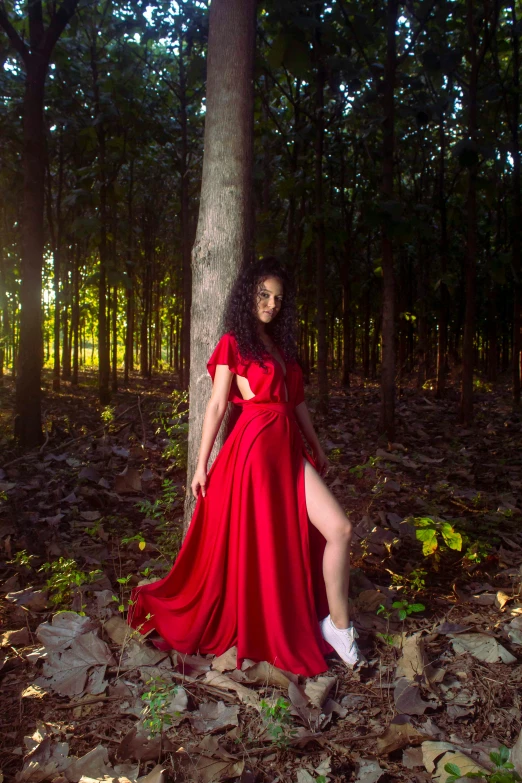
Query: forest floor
{"points": [[99, 507]]}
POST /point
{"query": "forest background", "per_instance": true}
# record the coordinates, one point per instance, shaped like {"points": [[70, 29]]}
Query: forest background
{"points": [[148, 149], [386, 174]]}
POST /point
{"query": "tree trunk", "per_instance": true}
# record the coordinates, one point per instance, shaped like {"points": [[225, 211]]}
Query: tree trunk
{"points": [[387, 419], [442, 345], [114, 369], [76, 316], [224, 233], [28, 426], [320, 239], [517, 211]]}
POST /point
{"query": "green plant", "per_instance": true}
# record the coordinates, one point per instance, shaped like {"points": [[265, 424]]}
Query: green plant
{"points": [[504, 771], [477, 552], [278, 722], [170, 419], [416, 579], [404, 608], [431, 529], [22, 558], [158, 699], [162, 505], [137, 537], [65, 579], [358, 470], [107, 414]]}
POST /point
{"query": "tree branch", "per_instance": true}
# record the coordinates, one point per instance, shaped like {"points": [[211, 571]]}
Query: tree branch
{"points": [[58, 24], [16, 42]]}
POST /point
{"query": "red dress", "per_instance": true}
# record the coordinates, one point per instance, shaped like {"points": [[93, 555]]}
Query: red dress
{"points": [[249, 572]]}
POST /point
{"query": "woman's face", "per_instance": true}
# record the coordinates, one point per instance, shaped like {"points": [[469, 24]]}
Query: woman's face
{"points": [[269, 299]]}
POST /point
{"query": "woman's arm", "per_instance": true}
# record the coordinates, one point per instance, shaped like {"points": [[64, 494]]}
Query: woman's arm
{"points": [[215, 411], [305, 422]]}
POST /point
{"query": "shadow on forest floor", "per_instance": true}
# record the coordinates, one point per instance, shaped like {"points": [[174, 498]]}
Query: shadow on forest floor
{"points": [[436, 597]]}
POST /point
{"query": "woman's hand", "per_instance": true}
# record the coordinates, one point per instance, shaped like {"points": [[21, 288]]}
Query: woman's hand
{"points": [[199, 482], [322, 461]]}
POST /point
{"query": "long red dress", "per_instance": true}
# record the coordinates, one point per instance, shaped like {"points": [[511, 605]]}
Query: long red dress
{"points": [[249, 572]]}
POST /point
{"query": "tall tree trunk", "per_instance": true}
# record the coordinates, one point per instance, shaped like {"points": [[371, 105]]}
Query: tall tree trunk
{"points": [[224, 232], [28, 427], [35, 54], [320, 239], [76, 315], [516, 210], [475, 57], [442, 345], [104, 363], [387, 422], [114, 370]]}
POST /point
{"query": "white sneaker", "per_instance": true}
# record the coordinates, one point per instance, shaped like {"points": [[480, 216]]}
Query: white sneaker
{"points": [[342, 640]]}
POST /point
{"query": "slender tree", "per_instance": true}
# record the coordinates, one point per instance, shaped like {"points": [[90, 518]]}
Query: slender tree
{"points": [[224, 232], [35, 54]]}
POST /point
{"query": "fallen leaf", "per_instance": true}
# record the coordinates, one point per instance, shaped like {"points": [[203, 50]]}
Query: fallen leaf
{"points": [[139, 746], [87, 473], [94, 764], [303, 776], [45, 758], [408, 700], [219, 680], [397, 736], [214, 716], [156, 775], [318, 690], [67, 672], [18, 638], [128, 481], [412, 757], [63, 629], [436, 755], [35, 600], [137, 654], [225, 662], [264, 673], [369, 771], [117, 630], [413, 660], [482, 647], [209, 770]]}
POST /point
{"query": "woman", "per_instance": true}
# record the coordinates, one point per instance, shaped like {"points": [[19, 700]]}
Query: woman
{"points": [[252, 571]]}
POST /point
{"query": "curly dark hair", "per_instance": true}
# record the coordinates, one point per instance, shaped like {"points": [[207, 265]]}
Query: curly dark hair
{"points": [[240, 319]]}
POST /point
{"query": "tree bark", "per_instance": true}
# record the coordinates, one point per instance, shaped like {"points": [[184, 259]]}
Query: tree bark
{"points": [[516, 211], [224, 232], [387, 419]]}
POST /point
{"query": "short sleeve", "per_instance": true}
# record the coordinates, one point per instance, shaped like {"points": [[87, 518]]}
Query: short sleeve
{"points": [[226, 352], [299, 391]]}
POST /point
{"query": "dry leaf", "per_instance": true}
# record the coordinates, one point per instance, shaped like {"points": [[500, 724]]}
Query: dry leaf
{"points": [[413, 660], [436, 755], [303, 776], [63, 629], [225, 662], [117, 630], [67, 672], [369, 771], [219, 680], [412, 757], [156, 775], [212, 716], [318, 690], [128, 481], [210, 770], [408, 699], [264, 673], [35, 600], [44, 759], [18, 638], [397, 736], [95, 764], [482, 647]]}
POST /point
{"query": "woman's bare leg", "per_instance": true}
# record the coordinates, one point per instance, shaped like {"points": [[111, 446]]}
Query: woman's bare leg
{"points": [[328, 517]]}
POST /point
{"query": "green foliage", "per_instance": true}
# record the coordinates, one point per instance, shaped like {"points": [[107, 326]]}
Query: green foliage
{"points": [[162, 505], [157, 698], [358, 470], [416, 579], [107, 414], [64, 579], [404, 608], [170, 419], [278, 722], [504, 771], [22, 558], [431, 529]]}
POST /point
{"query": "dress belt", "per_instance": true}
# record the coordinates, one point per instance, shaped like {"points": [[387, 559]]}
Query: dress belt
{"points": [[284, 408]]}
